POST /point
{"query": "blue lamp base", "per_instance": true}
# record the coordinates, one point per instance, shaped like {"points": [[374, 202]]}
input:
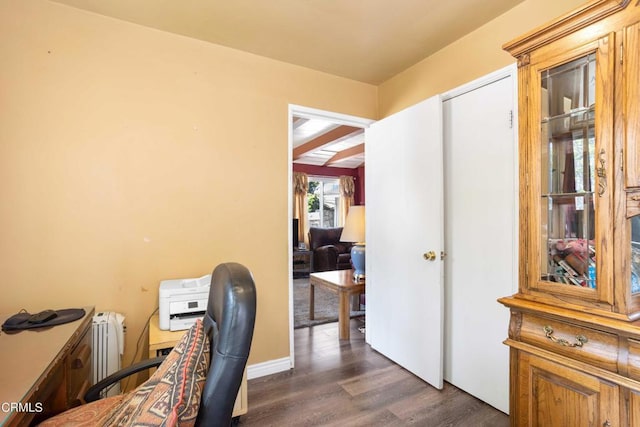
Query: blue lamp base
{"points": [[357, 259]]}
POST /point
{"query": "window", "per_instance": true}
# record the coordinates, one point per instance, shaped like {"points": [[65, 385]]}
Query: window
{"points": [[324, 202]]}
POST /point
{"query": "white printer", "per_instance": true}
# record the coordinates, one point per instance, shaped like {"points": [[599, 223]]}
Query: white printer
{"points": [[182, 302]]}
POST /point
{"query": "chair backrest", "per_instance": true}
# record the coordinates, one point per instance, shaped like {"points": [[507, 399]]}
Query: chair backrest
{"points": [[229, 323], [323, 236]]}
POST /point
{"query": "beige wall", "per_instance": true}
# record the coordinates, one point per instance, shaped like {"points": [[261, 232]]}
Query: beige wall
{"points": [[475, 55], [129, 155]]}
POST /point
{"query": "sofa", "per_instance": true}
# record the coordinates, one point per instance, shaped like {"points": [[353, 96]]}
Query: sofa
{"points": [[329, 253]]}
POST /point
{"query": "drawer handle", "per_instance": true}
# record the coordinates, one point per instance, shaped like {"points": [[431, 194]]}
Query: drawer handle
{"points": [[602, 174], [83, 390], [580, 339], [82, 358]]}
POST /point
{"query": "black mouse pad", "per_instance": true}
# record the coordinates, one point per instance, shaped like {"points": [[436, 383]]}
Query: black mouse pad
{"points": [[20, 321]]}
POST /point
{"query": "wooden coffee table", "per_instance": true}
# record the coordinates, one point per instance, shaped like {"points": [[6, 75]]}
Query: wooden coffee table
{"points": [[340, 282]]}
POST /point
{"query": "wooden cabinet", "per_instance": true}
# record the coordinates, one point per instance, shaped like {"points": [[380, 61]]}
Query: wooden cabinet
{"points": [[78, 367], [72, 374], [574, 331], [44, 371], [571, 368]]}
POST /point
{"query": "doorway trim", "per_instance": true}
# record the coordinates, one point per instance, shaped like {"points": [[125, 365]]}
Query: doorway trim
{"points": [[307, 113]]}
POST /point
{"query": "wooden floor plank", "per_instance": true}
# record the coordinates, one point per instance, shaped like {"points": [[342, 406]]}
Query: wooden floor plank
{"points": [[346, 383]]}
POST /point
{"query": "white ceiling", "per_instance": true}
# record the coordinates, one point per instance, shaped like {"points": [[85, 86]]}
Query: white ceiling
{"points": [[364, 40]]}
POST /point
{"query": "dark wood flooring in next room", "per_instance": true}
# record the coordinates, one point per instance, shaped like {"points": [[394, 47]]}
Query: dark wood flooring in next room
{"points": [[348, 384]]}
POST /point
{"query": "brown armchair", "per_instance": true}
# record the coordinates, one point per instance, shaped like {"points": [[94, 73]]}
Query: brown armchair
{"points": [[329, 253]]}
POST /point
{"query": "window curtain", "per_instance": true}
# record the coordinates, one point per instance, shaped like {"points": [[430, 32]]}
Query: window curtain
{"points": [[300, 188], [347, 190]]}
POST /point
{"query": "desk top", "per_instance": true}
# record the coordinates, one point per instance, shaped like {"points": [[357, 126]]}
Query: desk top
{"points": [[161, 338], [29, 356]]}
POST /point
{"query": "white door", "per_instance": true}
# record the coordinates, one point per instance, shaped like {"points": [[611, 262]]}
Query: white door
{"points": [[404, 292], [480, 165]]}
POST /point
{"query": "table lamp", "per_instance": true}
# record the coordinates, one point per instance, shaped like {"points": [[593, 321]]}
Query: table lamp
{"points": [[353, 231]]}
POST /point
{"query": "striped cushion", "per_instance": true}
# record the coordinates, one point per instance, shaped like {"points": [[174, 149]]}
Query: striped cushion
{"points": [[171, 396]]}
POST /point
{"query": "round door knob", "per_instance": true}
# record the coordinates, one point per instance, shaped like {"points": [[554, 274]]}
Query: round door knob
{"points": [[430, 256]]}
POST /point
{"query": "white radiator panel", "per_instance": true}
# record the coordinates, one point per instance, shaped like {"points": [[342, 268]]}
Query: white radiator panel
{"points": [[108, 346]]}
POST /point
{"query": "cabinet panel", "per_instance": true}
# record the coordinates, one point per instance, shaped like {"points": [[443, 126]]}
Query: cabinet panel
{"points": [[555, 395], [631, 105], [634, 404]]}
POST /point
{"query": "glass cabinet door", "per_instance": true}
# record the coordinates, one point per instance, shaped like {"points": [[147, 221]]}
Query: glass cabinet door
{"points": [[568, 173], [571, 199]]}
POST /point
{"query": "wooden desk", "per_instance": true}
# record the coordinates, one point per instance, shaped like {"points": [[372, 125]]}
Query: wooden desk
{"points": [[161, 342], [44, 371], [340, 282]]}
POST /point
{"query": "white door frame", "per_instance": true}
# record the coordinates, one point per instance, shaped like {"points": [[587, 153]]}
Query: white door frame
{"points": [[307, 113]]}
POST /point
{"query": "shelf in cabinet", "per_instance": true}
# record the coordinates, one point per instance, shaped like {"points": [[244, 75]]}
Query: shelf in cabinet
{"points": [[573, 113], [564, 195]]}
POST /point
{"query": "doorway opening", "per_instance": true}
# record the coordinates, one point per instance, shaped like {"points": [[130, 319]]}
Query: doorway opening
{"points": [[324, 146]]}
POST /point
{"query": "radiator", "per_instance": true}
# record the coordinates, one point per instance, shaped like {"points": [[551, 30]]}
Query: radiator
{"points": [[108, 346]]}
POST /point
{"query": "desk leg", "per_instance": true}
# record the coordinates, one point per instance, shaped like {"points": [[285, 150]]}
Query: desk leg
{"points": [[312, 297], [344, 316]]}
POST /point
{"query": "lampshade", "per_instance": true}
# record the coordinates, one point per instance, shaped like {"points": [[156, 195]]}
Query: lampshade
{"points": [[353, 230]]}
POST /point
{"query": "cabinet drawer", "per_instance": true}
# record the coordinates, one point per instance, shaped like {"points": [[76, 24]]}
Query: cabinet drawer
{"points": [[79, 369], [634, 359], [599, 349], [633, 204]]}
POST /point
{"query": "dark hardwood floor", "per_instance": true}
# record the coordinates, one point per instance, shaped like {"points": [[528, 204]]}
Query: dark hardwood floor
{"points": [[346, 383]]}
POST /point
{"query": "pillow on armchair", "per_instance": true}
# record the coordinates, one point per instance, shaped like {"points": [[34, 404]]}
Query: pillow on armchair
{"points": [[329, 253], [170, 397]]}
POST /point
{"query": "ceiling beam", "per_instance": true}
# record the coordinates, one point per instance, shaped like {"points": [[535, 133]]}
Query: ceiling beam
{"points": [[345, 154], [324, 139]]}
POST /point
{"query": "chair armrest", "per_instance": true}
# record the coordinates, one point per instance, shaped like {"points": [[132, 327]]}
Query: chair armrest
{"points": [[93, 393], [344, 247]]}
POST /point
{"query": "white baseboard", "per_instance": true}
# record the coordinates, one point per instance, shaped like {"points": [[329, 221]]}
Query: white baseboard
{"points": [[269, 367]]}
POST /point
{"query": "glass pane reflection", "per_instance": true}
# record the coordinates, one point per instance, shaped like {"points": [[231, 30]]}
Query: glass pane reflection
{"points": [[635, 254], [568, 173]]}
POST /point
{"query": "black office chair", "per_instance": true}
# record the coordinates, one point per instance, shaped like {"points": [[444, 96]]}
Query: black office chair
{"points": [[228, 324]]}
